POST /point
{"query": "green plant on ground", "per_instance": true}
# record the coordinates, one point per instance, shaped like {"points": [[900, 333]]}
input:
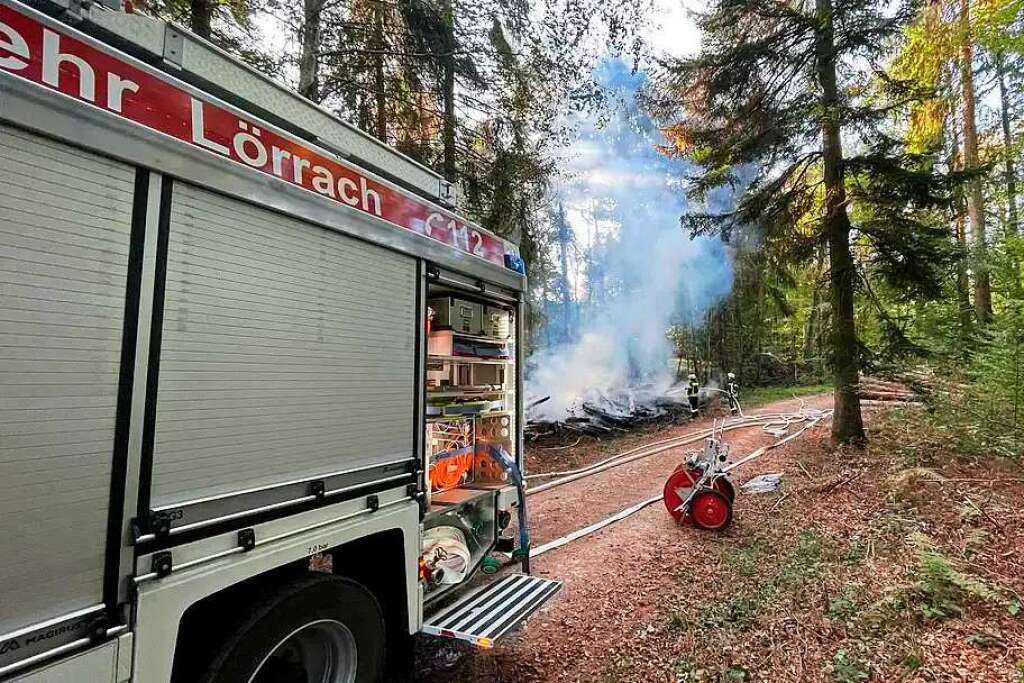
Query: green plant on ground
{"points": [[746, 559], [760, 395], [849, 668], [845, 605], [913, 661], [686, 672], [942, 588]]}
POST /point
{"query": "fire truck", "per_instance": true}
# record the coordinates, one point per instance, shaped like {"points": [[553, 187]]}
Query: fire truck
{"points": [[261, 395]]}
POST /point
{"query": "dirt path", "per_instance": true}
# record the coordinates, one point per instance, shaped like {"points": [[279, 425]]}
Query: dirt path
{"points": [[566, 508], [615, 578], [901, 562]]}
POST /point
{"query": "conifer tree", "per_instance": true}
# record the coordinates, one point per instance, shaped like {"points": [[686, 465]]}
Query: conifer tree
{"points": [[794, 90]]}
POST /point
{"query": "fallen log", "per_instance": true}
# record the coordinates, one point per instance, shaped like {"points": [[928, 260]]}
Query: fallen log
{"points": [[888, 396]]}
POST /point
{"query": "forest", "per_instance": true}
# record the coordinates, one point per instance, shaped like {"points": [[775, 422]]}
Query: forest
{"points": [[769, 420], [858, 162]]}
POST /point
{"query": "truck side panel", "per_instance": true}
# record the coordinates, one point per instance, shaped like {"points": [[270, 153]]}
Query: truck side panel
{"points": [[64, 249], [287, 353]]}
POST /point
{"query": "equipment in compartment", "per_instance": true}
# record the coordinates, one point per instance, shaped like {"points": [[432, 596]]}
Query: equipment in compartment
{"points": [[497, 430], [497, 322], [456, 344], [456, 407], [459, 454], [448, 467], [446, 555], [466, 317], [457, 314], [473, 513], [464, 364]]}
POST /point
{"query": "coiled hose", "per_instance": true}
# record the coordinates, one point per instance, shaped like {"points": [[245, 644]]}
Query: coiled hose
{"points": [[505, 460]]}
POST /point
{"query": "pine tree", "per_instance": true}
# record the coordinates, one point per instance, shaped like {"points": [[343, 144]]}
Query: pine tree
{"points": [[788, 89]]}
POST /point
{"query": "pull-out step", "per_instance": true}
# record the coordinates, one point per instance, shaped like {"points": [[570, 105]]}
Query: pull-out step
{"points": [[491, 612]]}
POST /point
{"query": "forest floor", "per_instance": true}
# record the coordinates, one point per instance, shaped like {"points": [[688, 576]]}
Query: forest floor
{"points": [[901, 562]]}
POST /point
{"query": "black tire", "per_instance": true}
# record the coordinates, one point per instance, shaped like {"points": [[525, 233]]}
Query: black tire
{"points": [[272, 618]]}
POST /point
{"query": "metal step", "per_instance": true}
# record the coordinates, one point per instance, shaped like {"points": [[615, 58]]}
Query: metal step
{"points": [[494, 610]]}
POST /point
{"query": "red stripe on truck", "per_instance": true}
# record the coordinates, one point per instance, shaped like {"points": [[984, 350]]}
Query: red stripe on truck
{"points": [[54, 58]]}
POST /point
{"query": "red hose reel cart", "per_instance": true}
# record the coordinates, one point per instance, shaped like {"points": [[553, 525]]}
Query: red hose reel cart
{"points": [[698, 492]]}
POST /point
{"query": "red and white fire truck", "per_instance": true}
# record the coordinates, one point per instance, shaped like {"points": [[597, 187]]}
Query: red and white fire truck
{"points": [[260, 385]]}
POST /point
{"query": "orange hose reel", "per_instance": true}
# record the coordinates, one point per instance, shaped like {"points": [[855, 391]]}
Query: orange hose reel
{"points": [[451, 470]]}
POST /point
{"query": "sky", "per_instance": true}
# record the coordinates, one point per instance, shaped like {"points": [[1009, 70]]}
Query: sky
{"points": [[673, 31]]}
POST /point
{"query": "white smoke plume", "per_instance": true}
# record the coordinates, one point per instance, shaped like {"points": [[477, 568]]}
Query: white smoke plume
{"points": [[652, 274]]}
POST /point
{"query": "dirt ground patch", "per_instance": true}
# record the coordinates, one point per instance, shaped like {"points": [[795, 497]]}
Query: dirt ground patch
{"points": [[866, 565]]}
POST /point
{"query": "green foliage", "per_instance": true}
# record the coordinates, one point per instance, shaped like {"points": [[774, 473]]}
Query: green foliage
{"points": [[761, 395], [766, 580], [941, 588], [982, 409], [848, 668], [912, 662]]}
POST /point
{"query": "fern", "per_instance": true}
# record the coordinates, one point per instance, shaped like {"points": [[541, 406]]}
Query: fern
{"points": [[942, 586]]}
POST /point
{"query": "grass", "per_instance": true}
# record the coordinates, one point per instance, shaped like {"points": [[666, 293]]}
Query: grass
{"points": [[757, 396], [762, 580]]}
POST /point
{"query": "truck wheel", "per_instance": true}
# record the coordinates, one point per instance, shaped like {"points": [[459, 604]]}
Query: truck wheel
{"points": [[324, 629]]}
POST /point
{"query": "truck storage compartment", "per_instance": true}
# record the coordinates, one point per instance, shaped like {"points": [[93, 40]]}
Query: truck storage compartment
{"points": [[470, 418], [288, 356], [64, 245]]}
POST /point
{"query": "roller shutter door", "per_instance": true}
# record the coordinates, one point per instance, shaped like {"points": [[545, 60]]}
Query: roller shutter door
{"points": [[64, 234], [288, 351]]}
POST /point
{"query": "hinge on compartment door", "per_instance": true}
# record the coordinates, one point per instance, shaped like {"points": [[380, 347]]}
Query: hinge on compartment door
{"points": [[247, 539], [414, 492], [163, 563], [156, 523]]}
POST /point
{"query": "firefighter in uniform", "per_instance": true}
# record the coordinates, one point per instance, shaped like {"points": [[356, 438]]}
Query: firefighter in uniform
{"points": [[693, 393], [733, 388]]}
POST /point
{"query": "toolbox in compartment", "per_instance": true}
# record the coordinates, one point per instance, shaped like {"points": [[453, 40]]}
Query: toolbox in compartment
{"points": [[461, 315], [497, 322]]}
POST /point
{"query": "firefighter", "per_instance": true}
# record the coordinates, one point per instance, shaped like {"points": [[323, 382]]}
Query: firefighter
{"points": [[693, 393], [733, 389]]}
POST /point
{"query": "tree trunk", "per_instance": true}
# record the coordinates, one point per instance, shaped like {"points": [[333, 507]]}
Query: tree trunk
{"points": [[309, 60], [1012, 225], [1009, 172], [963, 295], [847, 423], [963, 285], [379, 92], [201, 17], [975, 198], [563, 251], [811, 348], [448, 96]]}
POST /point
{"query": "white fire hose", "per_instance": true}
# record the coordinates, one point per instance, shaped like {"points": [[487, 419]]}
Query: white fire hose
{"points": [[776, 422]]}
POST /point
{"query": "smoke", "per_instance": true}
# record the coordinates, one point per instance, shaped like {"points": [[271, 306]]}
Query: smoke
{"points": [[623, 203]]}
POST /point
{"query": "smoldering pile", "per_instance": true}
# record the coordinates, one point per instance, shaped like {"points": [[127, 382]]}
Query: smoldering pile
{"points": [[599, 412]]}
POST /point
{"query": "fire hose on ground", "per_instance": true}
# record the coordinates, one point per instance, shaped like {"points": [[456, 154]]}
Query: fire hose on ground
{"points": [[775, 424]]}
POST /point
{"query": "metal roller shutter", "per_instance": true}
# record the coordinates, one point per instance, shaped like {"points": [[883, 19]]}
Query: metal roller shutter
{"points": [[64, 237], [288, 351]]}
